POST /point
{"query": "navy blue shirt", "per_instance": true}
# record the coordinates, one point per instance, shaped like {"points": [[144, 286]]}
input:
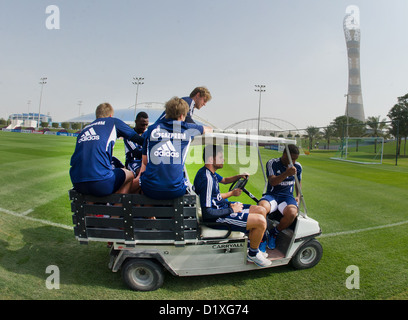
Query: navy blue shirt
{"points": [[92, 157], [275, 167], [190, 112], [206, 186], [166, 147]]}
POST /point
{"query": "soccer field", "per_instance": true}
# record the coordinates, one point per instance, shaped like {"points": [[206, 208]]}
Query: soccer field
{"points": [[362, 210]]}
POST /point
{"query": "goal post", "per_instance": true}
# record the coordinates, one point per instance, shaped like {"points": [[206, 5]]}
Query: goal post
{"points": [[363, 150]]}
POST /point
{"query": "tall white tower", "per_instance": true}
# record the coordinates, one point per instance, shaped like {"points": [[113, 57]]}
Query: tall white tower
{"points": [[351, 24]]}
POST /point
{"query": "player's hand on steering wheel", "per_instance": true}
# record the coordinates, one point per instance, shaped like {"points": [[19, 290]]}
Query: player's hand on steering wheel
{"points": [[236, 192]]}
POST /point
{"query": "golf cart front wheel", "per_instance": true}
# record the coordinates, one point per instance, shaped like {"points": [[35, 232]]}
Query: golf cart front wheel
{"points": [[142, 274], [308, 255]]}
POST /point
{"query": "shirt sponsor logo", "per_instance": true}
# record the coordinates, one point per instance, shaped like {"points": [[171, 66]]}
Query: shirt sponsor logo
{"points": [[89, 135], [167, 150], [157, 133]]}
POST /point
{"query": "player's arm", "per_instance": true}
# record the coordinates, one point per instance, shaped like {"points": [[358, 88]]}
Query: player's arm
{"points": [[235, 193], [274, 180], [232, 179]]}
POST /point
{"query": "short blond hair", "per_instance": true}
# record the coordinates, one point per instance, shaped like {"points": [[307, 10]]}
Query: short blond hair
{"points": [[176, 107], [203, 91], [104, 110]]}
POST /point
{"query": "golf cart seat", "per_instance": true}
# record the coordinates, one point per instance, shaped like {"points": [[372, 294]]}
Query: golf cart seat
{"points": [[215, 230]]}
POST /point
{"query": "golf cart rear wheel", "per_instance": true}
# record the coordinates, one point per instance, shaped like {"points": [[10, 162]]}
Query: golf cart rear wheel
{"points": [[308, 255], [142, 274]]}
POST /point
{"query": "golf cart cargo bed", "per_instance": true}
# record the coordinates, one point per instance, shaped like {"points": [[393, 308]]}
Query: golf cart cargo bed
{"points": [[134, 219]]}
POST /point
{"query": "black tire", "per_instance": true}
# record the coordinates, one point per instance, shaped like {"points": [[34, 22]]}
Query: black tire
{"points": [[142, 274], [308, 255]]}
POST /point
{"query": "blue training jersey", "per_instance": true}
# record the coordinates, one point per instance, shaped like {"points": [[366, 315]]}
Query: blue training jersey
{"points": [[206, 186], [92, 157], [275, 167], [166, 147], [190, 112], [133, 150]]}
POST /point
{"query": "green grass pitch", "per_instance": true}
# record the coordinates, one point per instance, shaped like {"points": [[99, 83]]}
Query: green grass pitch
{"points": [[362, 210]]}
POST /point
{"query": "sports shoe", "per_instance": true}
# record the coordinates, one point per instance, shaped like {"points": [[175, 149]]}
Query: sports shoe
{"points": [[262, 246], [271, 242], [259, 260]]}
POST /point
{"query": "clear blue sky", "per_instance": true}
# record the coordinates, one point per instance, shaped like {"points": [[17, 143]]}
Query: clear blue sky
{"points": [[296, 48]]}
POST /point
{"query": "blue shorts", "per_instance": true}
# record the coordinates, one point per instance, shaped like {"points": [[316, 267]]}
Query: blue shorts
{"points": [[279, 202], [237, 221], [134, 165], [102, 188]]}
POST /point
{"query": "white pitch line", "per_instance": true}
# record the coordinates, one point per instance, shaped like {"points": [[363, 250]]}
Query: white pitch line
{"points": [[334, 234], [324, 235], [24, 216]]}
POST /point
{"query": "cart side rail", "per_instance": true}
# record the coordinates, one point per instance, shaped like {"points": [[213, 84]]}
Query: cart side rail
{"points": [[134, 218]]}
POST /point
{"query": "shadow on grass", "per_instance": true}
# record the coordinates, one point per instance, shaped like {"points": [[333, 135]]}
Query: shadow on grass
{"points": [[87, 265], [44, 246]]}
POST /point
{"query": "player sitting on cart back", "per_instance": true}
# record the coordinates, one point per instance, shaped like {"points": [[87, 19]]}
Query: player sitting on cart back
{"points": [[133, 150], [216, 208], [91, 169], [165, 150], [279, 193]]}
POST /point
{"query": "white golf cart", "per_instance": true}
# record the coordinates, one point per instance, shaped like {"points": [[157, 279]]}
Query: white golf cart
{"points": [[177, 240]]}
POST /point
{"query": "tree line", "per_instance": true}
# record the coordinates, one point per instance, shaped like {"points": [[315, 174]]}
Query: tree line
{"points": [[341, 127]]}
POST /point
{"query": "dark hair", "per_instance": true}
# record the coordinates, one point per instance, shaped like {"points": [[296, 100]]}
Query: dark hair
{"points": [[293, 149], [211, 150], [142, 114]]}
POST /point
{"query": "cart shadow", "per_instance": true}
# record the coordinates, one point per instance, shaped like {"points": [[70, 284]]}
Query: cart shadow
{"points": [[236, 279], [51, 246]]}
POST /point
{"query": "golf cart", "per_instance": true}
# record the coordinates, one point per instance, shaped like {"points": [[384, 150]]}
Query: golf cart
{"points": [[177, 240]]}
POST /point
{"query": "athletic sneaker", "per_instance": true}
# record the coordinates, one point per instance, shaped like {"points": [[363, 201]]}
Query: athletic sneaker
{"points": [[271, 242], [262, 246], [259, 260]]}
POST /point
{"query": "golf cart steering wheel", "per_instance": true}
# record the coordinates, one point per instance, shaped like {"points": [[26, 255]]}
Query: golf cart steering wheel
{"points": [[239, 184]]}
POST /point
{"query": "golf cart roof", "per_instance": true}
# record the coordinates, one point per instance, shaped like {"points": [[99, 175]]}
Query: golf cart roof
{"points": [[248, 138]]}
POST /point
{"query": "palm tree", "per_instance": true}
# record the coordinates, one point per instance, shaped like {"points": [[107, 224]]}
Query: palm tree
{"points": [[378, 128], [328, 133], [312, 133]]}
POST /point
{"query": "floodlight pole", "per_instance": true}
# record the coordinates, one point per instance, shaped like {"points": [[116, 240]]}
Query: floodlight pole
{"points": [[261, 88], [79, 113], [137, 81], [42, 82]]}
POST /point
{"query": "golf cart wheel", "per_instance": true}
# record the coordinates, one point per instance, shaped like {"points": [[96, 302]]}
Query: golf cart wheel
{"points": [[308, 255], [142, 274]]}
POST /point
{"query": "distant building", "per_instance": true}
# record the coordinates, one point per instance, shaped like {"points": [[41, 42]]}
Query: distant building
{"points": [[27, 119], [351, 24]]}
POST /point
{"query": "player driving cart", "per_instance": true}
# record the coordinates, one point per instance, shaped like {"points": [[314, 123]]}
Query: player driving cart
{"points": [[216, 208]]}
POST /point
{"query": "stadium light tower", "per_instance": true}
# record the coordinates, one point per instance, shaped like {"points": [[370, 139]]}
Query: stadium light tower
{"points": [[42, 82], [351, 25], [259, 88], [137, 81]]}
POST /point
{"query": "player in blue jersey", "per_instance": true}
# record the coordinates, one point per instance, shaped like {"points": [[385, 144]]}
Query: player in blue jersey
{"points": [[216, 208], [91, 169], [197, 99], [279, 193], [133, 150], [165, 150]]}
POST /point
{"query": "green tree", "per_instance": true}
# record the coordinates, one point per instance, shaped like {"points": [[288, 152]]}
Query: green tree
{"points": [[399, 121], [312, 133], [328, 133], [355, 127], [377, 127]]}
